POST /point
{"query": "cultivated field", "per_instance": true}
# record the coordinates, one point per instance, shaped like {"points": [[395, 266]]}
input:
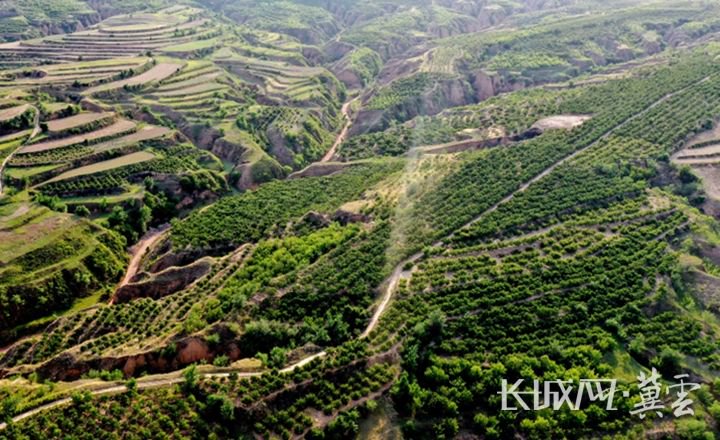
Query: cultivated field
{"points": [[85, 72], [157, 73], [120, 127], [119, 36], [79, 120], [130, 159], [330, 220], [13, 112], [147, 132]]}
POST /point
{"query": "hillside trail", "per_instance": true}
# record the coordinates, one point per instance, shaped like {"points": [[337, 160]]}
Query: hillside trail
{"points": [[35, 132], [345, 110], [138, 251], [390, 284]]}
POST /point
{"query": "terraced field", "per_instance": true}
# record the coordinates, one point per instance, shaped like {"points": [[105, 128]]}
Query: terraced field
{"points": [[118, 128], [81, 145], [130, 159], [119, 36], [199, 91], [279, 80], [84, 72], [157, 73], [13, 112], [357, 219], [37, 244], [145, 133], [58, 126]]}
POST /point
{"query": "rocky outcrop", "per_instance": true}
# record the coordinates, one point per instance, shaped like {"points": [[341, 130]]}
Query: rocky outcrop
{"points": [[164, 283]]}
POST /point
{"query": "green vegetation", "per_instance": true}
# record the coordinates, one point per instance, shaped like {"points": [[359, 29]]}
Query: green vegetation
{"points": [[503, 116], [364, 63], [248, 217], [470, 227], [17, 123], [402, 89], [50, 260], [301, 134], [24, 17]]}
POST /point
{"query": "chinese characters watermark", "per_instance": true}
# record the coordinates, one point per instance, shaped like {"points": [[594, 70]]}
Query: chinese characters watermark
{"points": [[557, 394]]}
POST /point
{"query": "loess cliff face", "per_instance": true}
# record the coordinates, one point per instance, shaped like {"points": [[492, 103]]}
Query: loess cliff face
{"points": [[164, 283], [442, 94]]}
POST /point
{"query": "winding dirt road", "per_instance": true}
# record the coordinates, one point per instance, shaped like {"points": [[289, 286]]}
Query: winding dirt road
{"points": [[138, 251], [36, 130], [390, 284], [398, 273], [343, 133]]}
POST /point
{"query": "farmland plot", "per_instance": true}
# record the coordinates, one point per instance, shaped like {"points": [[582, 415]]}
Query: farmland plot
{"points": [[120, 127], [130, 159], [13, 112], [79, 120], [157, 73]]}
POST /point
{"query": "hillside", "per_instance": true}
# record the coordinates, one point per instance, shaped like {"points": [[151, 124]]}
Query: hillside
{"points": [[314, 219]]}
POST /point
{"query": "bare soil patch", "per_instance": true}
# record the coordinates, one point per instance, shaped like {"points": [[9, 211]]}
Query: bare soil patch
{"points": [[706, 136], [76, 121], [711, 180], [13, 112], [561, 122], [146, 133]]}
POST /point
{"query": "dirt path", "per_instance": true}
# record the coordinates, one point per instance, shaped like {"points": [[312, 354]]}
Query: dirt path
{"points": [[36, 130], [138, 251], [343, 133], [154, 383], [392, 283], [110, 390]]}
